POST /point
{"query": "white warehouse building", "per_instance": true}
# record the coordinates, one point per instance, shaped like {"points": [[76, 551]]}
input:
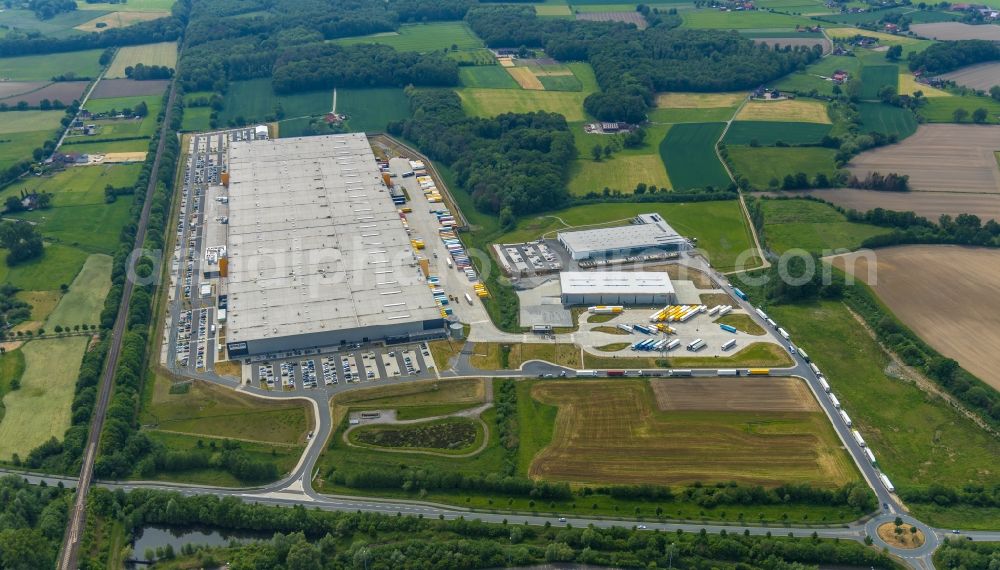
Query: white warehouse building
{"points": [[648, 233], [616, 288]]}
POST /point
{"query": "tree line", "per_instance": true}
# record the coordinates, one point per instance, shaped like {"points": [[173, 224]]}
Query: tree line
{"points": [[32, 521], [311, 539], [511, 164], [941, 57], [31, 43], [47, 9]]}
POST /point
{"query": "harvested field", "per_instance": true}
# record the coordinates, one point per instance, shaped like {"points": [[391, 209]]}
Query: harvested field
{"points": [[843, 33], [785, 110], [163, 53], [119, 20], [949, 307], [981, 76], [632, 17], [796, 42], [956, 31], [64, 91], [908, 86], [940, 158], [927, 204], [129, 88], [11, 88], [525, 78], [698, 100], [612, 432], [720, 394]]}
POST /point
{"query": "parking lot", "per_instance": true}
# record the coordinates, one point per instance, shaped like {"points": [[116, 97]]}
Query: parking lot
{"points": [[353, 365]]}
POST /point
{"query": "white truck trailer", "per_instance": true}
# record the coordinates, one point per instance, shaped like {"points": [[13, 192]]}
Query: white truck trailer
{"points": [[696, 345], [836, 402], [824, 384], [846, 418], [886, 482], [858, 438]]}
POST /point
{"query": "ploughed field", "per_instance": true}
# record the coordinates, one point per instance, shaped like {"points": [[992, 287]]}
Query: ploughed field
{"points": [[927, 204], [665, 432], [946, 294]]}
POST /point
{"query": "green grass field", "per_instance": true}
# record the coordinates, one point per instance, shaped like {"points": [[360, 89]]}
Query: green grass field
{"points": [[41, 408], [812, 226], [20, 121], [254, 100], [688, 151], [809, 79], [162, 54], [941, 109], [11, 368], [486, 76], [887, 119], [107, 104], [492, 102], [83, 302], [131, 145], [706, 115], [761, 165], [372, 109], [60, 25], [626, 167], [767, 133], [874, 77], [197, 119], [130, 6], [60, 264], [422, 37], [918, 439], [45, 67], [283, 456], [15, 147], [719, 226], [714, 19], [80, 186]]}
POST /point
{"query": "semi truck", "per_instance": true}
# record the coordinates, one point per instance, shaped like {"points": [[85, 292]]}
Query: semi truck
{"points": [[762, 314], [615, 373], [725, 310], [870, 455], [728, 372], [696, 345], [624, 327], [681, 372], [846, 418], [784, 334], [605, 309], [804, 355], [858, 438], [729, 344], [886, 482], [728, 328], [772, 323], [836, 402], [468, 298], [739, 293], [587, 373], [673, 344], [759, 371], [825, 385], [815, 370]]}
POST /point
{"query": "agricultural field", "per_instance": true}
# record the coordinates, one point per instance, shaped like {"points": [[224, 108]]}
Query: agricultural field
{"points": [[40, 409], [688, 152], [45, 67], [908, 86], [372, 109], [130, 6], [719, 226], [792, 110], [18, 146], [956, 31], [806, 7], [918, 439], [942, 109], [83, 303], [118, 20], [709, 18], [486, 76], [883, 38], [944, 307], [875, 77], [695, 107], [767, 133], [79, 144], [887, 119], [197, 119], [628, 17], [927, 204], [163, 54], [109, 88], [552, 10], [255, 100], [763, 165], [980, 76], [812, 77], [60, 264], [61, 25], [208, 410], [812, 226], [492, 102], [19, 121], [624, 169], [940, 158], [423, 38], [631, 432], [63, 91]]}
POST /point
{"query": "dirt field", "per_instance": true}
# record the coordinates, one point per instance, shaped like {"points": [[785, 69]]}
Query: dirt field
{"points": [[927, 204], [525, 78], [734, 395], [627, 17], [128, 88], [612, 432], [11, 88], [795, 42], [784, 110], [65, 91], [940, 158], [956, 31], [698, 100], [119, 20], [980, 76], [947, 295]]}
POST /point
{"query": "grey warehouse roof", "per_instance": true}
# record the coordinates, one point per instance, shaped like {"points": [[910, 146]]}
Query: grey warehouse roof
{"points": [[615, 282], [649, 230], [315, 243]]}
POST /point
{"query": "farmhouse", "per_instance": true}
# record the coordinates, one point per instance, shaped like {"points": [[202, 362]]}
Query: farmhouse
{"points": [[316, 254], [616, 288], [649, 233]]}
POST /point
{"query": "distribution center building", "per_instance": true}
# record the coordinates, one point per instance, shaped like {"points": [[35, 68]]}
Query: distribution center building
{"points": [[648, 233], [616, 288], [316, 252]]}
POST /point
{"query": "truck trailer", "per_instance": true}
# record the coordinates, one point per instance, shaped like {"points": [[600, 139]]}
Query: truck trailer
{"points": [[728, 328], [673, 344], [846, 418], [696, 345], [870, 455], [804, 355], [759, 371], [815, 370], [740, 294], [784, 334], [858, 438], [729, 344], [681, 372], [886, 482], [586, 373], [761, 313], [825, 385], [836, 402], [728, 372]]}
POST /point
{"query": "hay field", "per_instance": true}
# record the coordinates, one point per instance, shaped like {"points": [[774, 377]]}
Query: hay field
{"points": [[908, 85], [947, 295], [41, 408], [940, 158], [120, 20], [795, 110], [492, 102], [698, 100], [632, 17], [525, 78], [927, 204], [840, 33], [727, 395], [164, 53], [613, 432], [980, 76], [83, 303], [956, 31]]}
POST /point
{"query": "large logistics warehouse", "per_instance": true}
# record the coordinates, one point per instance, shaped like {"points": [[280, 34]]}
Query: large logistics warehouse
{"points": [[316, 252], [648, 233], [616, 288]]}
